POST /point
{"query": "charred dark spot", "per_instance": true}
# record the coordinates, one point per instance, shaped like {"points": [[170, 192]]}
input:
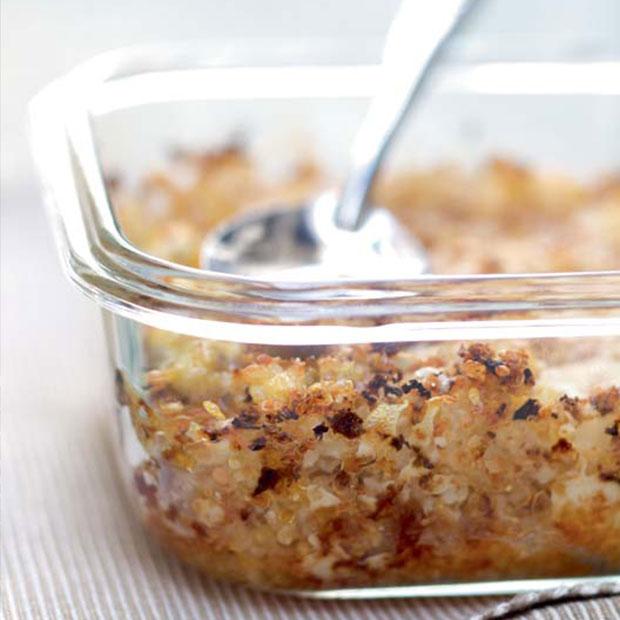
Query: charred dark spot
{"points": [[605, 401], [490, 364], [482, 354], [397, 442], [501, 410], [414, 384], [528, 377], [376, 383], [267, 480], [258, 444], [370, 399], [214, 436], [199, 528], [342, 478], [320, 430], [613, 430], [347, 423], [244, 514], [570, 404], [422, 459], [286, 414], [248, 397], [491, 435], [529, 409], [607, 476], [392, 389], [246, 420], [562, 446]]}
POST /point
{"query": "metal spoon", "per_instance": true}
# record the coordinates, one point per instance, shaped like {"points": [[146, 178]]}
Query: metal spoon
{"points": [[344, 237]]}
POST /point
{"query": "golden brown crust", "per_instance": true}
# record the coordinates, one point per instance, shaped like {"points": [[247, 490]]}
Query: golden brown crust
{"points": [[326, 467], [360, 468]]}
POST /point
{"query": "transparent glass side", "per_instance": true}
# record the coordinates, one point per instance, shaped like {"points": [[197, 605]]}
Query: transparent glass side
{"points": [[143, 285], [464, 466]]}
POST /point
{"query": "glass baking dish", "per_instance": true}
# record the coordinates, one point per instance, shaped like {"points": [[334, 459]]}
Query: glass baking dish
{"points": [[448, 434]]}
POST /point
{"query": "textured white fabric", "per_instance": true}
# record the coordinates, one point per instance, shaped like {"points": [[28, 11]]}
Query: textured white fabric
{"points": [[70, 545]]}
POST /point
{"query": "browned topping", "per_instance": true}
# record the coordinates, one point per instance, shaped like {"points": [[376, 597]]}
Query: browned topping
{"points": [[393, 390], [425, 480], [528, 377], [347, 423], [570, 404], [370, 399], [372, 510], [280, 436], [610, 476], [258, 444], [397, 442], [474, 370], [246, 420], [199, 529], [286, 414], [342, 478], [529, 409], [482, 354], [422, 459], [414, 384], [376, 383], [320, 429], [562, 445], [605, 401], [267, 480], [501, 410], [477, 352]]}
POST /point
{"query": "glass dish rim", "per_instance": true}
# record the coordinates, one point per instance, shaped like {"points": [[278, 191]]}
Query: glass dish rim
{"points": [[126, 280]]}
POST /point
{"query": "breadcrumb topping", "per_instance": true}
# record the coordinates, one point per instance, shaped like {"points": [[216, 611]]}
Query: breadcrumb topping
{"points": [[384, 464]]}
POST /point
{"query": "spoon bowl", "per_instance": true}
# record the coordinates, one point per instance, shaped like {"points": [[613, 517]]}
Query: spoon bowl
{"points": [[306, 244]]}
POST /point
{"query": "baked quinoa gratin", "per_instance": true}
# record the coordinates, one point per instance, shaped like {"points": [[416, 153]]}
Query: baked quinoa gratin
{"points": [[345, 466]]}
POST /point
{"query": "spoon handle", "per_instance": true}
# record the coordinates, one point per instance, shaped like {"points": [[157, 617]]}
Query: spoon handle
{"points": [[417, 35]]}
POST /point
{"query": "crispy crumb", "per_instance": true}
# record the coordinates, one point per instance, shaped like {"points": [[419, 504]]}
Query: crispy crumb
{"points": [[383, 464]]}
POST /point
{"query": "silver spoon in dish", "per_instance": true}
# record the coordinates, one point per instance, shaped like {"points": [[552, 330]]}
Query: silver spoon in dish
{"points": [[344, 236]]}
